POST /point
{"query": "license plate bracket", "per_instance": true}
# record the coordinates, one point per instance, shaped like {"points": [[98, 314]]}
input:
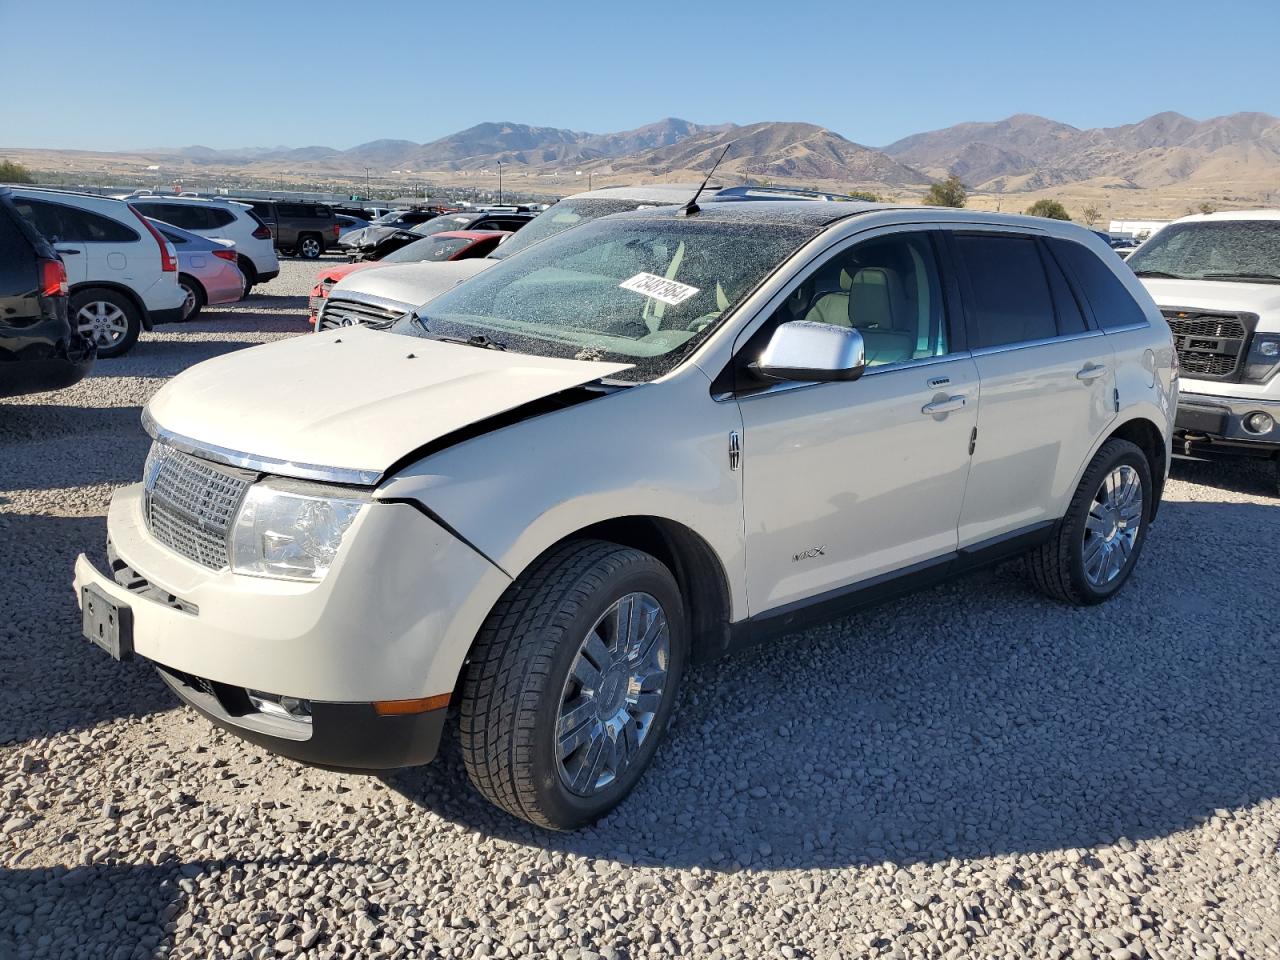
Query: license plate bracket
{"points": [[107, 624], [1208, 420]]}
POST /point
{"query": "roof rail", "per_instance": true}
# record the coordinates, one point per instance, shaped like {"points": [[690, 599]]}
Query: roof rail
{"points": [[777, 193]]}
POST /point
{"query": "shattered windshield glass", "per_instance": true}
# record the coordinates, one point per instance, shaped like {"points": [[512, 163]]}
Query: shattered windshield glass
{"points": [[639, 291], [1246, 250], [562, 216]]}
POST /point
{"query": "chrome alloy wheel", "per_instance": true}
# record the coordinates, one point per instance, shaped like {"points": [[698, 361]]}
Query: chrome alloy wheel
{"points": [[310, 248], [1112, 526], [103, 322], [612, 693]]}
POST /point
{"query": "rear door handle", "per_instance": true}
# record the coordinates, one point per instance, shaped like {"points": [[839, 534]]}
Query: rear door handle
{"points": [[1091, 372], [65, 250], [949, 405]]}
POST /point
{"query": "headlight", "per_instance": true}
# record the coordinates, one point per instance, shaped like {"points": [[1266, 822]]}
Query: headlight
{"points": [[289, 532], [1264, 357]]}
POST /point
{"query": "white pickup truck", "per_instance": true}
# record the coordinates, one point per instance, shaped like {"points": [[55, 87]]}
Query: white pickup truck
{"points": [[1216, 278]]}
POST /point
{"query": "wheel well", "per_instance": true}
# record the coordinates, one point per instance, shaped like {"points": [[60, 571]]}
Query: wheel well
{"points": [[247, 268], [1146, 436], [692, 562], [132, 297], [194, 282]]}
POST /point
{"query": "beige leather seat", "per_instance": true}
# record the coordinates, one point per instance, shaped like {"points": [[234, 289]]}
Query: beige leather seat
{"points": [[874, 302]]}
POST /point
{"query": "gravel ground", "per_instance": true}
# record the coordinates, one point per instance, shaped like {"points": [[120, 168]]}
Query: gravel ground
{"points": [[969, 772]]}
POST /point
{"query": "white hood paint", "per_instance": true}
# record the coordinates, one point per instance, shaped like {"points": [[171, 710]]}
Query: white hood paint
{"points": [[1260, 298], [412, 284], [353, 398]]}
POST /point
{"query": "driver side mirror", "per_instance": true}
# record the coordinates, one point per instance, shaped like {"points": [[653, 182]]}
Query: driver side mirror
{"points": [[806, 351]]}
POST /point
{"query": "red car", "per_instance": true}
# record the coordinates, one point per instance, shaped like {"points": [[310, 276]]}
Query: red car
{"points": [[445, 245]]}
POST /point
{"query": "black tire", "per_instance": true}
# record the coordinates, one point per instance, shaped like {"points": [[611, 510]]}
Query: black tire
{"points": [[310, 246], [100, 301], [193, 289], [1057, 567], [519, 669], [250, 274]]}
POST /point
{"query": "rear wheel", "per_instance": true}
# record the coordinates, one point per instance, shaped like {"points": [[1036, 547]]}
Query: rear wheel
{"points": [[310, 247], [1095, 546], [250, 274], [195, 296], [109, 319], [571, 683]]}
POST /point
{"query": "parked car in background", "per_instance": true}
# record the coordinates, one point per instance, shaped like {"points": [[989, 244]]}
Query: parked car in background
{"points": [[375, 246], [700, 436], [347, 224], [207, 270], [388, 223], [448, 245], [225, 219], [301, 227], [123, 275], [1216, 278], [382, 298], [39, 349]]}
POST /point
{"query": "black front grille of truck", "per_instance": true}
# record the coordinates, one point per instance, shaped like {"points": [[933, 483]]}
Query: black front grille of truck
{"points": [[1211, 346]]}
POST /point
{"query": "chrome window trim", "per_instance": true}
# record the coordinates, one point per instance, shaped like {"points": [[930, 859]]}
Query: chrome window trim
{"points": [[351, 476], [1128, 327], [1042, 342]]}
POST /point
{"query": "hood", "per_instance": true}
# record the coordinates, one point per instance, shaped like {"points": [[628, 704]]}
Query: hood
{"points": [[353, 399], [1260, 298], [412, 284], [340, 270]]}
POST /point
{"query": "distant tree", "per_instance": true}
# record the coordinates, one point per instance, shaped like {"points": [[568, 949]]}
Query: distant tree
{"points": [[864, 195], [949, 193], [1207, 207], [1090, 215], [1051, 209], [11, 172]]}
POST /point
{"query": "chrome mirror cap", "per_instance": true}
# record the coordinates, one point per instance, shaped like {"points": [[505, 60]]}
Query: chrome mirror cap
{"points": [[806, 351]]}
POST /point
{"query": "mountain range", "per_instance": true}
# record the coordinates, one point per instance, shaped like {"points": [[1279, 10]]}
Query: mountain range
{"points": [[1023, 153]]}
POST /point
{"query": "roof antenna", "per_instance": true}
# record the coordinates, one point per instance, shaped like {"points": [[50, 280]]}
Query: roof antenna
{"points": [[690, 208]]}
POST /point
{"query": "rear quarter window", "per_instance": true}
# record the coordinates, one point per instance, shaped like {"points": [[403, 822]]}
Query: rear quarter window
{"points": [[1112, 304]]}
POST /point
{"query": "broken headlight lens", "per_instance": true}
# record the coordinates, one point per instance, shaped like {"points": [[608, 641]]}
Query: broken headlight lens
{"points": [[289, 534]]}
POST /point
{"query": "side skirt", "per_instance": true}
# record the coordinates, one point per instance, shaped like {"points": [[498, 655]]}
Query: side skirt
{"points": [[866, 593]]}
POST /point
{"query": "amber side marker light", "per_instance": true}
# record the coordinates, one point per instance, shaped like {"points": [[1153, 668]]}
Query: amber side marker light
{"points": [[398, 708]]}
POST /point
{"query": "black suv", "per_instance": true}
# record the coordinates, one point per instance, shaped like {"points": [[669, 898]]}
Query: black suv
{"points": [[38, 349], [299, 226]]}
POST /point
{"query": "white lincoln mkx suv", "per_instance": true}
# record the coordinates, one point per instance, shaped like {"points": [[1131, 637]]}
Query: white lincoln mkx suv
{"points": [[640, 443]]}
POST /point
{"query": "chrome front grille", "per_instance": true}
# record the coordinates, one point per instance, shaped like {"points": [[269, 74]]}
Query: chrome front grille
{"points": [[1210, 346], [341, 312], [191, 503]]}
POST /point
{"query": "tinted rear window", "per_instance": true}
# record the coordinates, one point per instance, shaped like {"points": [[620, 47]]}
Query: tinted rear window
{"points": [[1009, 289], [1112, 304]]}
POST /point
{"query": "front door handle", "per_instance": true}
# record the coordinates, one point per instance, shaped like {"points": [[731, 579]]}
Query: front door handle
{"points": [[946, 405], [1091, 372]]}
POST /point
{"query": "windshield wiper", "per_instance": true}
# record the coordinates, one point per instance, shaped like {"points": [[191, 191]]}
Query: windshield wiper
{"points": [[1160, 274], [1246, 277], [475, 340]]}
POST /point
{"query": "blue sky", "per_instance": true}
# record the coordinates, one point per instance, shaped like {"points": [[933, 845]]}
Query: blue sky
{"points": [[242, 73]]}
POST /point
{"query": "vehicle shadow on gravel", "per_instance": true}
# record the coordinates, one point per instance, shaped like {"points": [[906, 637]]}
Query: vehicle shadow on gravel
{"points": [[161, 359], [55, 446], [1243, 476], [973, 720], [121, 906], [54, 680]]}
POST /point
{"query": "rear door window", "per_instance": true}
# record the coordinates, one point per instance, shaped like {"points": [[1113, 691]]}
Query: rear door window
{"points": [[1008, 291], [1112, 304], [45, 217]]}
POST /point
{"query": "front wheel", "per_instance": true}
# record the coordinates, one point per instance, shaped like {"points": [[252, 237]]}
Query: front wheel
{"points": [[1094, 547], [571, 683]]}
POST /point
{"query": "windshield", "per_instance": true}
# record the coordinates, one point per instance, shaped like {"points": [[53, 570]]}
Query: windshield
{"points": [[639, 291], [447, 222], [428, 248], [1212, 250], [391, 216], [562, 216]]}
